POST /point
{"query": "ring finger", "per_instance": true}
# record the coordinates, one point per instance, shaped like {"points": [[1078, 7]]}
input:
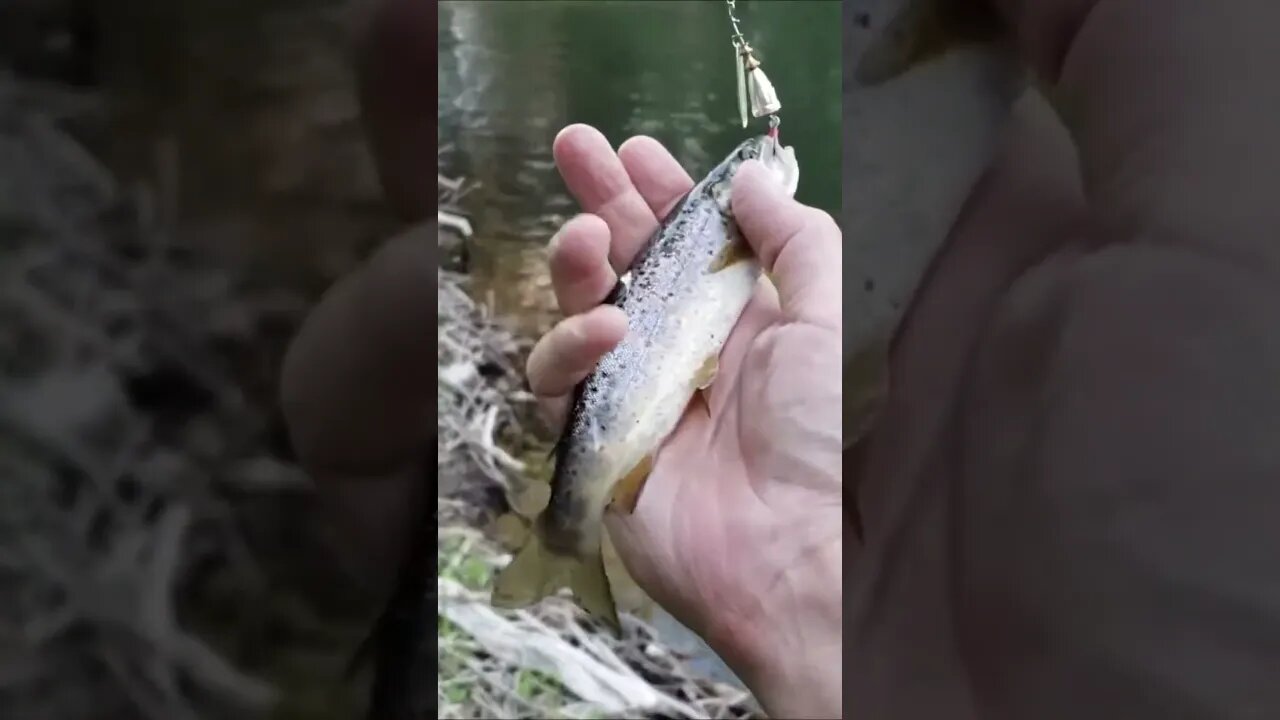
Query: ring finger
{"points": [[580, 271]]}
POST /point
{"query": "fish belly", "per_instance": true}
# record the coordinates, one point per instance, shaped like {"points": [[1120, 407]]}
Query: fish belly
{"points": [[693, 334]]}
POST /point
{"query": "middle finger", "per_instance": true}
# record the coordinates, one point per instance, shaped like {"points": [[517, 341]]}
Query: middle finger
{"points": [[580, 272], [624, 192]]}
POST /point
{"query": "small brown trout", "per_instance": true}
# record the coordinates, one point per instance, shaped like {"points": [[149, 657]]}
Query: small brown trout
{"points": [[929, 84], [682, 296]]}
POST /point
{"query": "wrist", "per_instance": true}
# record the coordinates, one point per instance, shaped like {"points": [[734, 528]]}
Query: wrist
{"points": [[791, 654]]}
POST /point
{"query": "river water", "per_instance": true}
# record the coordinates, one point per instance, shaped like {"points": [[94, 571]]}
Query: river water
{"points": [[512, 74]]}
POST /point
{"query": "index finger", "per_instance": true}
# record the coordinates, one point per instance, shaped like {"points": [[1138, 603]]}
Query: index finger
{"points": [[630, 189]]}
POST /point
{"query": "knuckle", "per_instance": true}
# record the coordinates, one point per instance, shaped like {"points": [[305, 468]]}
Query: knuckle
{"points": [[821, 231], [550, 356], [404, 262], [821, 223]]}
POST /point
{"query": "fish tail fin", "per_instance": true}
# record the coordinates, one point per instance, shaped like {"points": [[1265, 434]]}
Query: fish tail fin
{"points": [[535, 572], [591, 586]]}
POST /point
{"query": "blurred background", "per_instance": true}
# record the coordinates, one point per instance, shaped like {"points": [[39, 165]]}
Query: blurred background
{"points": [[178, 182], [511, 76]]}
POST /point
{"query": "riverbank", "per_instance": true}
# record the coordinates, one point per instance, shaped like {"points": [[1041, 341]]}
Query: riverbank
{"points": [[156, 539], [551, 660]]}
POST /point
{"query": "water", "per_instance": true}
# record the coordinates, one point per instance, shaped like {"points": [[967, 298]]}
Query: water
{"points": [[512, 74]]}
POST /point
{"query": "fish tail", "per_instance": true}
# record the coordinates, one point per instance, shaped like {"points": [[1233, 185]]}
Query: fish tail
{"points": [[533, 573], [536, 572], [591, 585]]}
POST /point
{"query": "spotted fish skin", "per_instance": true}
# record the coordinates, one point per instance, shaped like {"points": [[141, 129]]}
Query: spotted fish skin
{"points": [[932, 86], [682, 296]]}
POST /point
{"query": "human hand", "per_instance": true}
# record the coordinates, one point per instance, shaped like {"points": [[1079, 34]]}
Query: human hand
{"points": [[1068, 501], [738, 531], [355, 389]]}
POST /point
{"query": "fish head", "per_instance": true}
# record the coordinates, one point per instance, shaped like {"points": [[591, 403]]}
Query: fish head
{"points": [[779, 162]]}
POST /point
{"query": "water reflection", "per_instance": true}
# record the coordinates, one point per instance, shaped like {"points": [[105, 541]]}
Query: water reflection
{"points": [[513, 73]]}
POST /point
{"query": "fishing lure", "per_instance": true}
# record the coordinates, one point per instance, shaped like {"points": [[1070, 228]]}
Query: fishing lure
{"points": [[755, 92]]}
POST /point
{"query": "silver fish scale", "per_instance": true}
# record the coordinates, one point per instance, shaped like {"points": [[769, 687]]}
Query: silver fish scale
{"points": [[665, 272]]}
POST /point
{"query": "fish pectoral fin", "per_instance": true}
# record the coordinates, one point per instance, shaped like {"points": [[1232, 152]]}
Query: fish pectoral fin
{"points": [[626, 493], [590, 585], [734, 252], [702, 379], [511, 530], [701, 400], [530, 499], [706, 374], [922, 30]]}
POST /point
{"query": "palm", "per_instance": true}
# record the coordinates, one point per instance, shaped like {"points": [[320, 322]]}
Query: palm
{"points": [[747, 486], [745, 476]]}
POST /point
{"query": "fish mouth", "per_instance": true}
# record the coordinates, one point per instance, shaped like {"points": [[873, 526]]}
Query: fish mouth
{"points": [[780, 161]]}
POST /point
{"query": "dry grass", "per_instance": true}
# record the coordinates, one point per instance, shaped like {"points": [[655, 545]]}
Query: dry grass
{"points": [[550, 661], [480, 394], [112, 494]]}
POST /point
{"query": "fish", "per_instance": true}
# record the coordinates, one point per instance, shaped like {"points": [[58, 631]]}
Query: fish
{"points": [[929, 85], [682, 296]]}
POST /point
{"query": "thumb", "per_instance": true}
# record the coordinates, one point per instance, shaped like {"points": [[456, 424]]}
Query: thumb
{"points": [[799, 246]]}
